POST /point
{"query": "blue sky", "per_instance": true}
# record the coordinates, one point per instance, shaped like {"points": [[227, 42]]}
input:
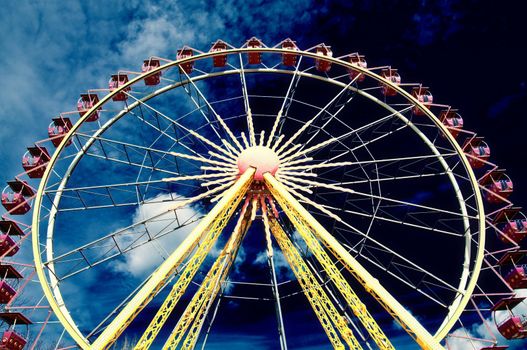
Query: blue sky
{"points": [[51, 51]]}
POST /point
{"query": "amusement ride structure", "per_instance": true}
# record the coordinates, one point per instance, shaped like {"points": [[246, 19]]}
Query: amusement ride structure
{"points": [[286, 186]]}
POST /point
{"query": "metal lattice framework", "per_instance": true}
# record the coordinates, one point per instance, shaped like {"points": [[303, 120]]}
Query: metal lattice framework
{"points": [[354, 176]]}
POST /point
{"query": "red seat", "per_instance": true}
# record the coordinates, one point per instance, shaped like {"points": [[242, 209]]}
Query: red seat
{"points": [[498, 184], [359, 61], [452, 120], [11, 228], [149, 65], [219, 60], [254, 57], [323, 51], [187, 67], [511, 225], [8, 246], [13, 197], [477, 151], [34, 161], [393, 76], [85, 103], [512, 328], [7, 293], [289, 59], [516, 230], [423, 95], [57, 130], [12, 340], [116, 81], [516, 278]]}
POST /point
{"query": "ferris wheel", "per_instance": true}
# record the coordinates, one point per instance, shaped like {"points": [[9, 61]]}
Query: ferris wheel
{"points": [[269, 191]]}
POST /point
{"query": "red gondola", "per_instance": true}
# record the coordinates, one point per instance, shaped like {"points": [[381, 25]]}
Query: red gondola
{"points": [[10, 228], [7, 293], [323, 51], [359, 61], [515, 274], [477, 151], [393, 76], [57, 130], [423, 95], [34, 161], [511, 224], [13, 197], [513, 325], [516, 278], [498, 184], [254, 57], [8, 246], [10, 339], [85, 103], [219, 60], [289, 59], [452, 120], [149, 65], [187, 67], [13, 341], [116, 81]]}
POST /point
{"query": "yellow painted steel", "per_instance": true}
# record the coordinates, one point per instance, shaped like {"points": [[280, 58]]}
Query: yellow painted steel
{"points": [[214, 221], [356, 305], [319, 300], [304, 221], [196, 310]]}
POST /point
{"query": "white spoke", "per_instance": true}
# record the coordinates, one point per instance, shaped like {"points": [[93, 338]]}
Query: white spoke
{"points": [[216, 115], [290, 90]]}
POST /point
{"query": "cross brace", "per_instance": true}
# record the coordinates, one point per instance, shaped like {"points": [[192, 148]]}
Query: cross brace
{"points": [[319, 300], [214, 221], [304, 221]]}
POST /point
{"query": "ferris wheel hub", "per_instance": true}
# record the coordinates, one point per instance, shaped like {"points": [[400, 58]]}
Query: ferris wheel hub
{"points": [[262, 158]]}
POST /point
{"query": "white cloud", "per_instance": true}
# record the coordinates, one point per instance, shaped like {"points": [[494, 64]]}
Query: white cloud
{"points": [[143, 260]]}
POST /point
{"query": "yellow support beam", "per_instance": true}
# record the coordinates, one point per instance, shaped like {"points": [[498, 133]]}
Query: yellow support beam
{"points": [[319, 300], [354, 302], [196, 310], [304, 221], [214, 221]]}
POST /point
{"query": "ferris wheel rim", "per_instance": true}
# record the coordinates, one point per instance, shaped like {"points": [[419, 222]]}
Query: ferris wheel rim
{"points": [[243, 50]]}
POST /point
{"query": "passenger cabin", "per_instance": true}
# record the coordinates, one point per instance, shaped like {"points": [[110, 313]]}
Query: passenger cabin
{"points": [[148, 65], [219, 60], [323, 65], [452, 120], [423, 95], [393, 76], [8, 246], [182, 54], [12, 340], [254, 57], [11, 228], [289, 59], [498, 184], [359, 61], [511, 267], [57, 130], [116, 81], [14, 197], [477, 151], [34, 161], [512, 326], [7, 292], [85, 103], [511, 224]]}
